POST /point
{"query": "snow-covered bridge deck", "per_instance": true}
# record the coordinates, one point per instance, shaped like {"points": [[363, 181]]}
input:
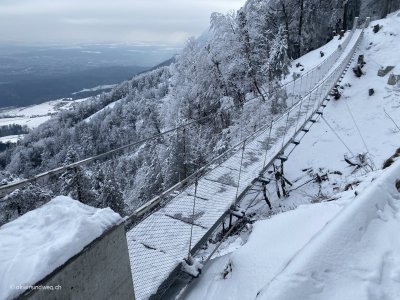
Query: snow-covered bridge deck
{"points": [[159, 243]]}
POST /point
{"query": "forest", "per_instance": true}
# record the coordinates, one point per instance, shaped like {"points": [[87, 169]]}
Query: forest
{"points": [[13, 129], [245, 54]]}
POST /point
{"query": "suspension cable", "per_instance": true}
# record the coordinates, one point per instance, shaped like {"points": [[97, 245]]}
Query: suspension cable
{"points": [[356, 125], [395, 124], [337, 135]]}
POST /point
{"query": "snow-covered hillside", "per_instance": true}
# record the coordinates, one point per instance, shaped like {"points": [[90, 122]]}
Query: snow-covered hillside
{"points": [[314, 58], [344, 244], [32, 116], [356, 255], [96, 88]]}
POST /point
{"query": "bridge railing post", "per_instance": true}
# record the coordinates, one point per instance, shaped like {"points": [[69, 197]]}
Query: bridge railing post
{"points": [[355, 23], [367, 21]]}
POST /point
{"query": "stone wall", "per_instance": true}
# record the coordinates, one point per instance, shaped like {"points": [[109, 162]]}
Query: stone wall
{"points": [[100, 271]]}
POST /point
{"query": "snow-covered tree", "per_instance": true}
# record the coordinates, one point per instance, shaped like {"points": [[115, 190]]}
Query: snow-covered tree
{"points": [[277, 68], [74, 181], [110, 193], [21, 201]]}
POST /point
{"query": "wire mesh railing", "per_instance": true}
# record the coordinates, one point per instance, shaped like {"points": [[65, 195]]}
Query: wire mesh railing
{"points": [[300, 132]]}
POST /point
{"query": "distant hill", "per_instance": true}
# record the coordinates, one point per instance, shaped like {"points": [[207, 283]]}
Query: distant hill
{"points": [[166, 63]]}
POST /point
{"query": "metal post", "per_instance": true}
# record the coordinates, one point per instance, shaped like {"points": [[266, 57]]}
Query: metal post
{"points": [[355, 23], [240, 170], [194, 206], [268, 143], [367, 20]]}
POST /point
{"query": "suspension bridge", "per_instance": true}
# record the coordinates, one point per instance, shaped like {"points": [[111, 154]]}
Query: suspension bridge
{"points": [[160, 242], [173, 226]]}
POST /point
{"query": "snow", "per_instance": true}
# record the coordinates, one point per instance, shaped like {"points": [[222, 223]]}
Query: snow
{"points": [[31, 122], [107, 107], [41, 240], [347, 246], [34, 115], [313, 58], [96, 88], [363, 238], [11, 138], [192, 266], [270, 247]]}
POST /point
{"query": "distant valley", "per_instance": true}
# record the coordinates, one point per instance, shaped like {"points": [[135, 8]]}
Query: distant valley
{"points": [[33, 75], [37, 89], [30, 117]]}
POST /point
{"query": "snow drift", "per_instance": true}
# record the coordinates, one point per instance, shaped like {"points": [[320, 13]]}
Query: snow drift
{"points": [[35, 244]]}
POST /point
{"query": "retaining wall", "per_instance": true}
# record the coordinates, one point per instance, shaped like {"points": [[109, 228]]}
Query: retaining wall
{"points": [[100, 271]]}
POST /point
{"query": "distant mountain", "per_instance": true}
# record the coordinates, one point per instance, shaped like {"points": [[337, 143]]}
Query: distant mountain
{"points": [[166, 63]]}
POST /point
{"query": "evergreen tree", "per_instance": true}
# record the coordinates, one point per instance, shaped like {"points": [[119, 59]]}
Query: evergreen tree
{"points": [[74, 181], [21, 201], [110, 194], [277, 68]]}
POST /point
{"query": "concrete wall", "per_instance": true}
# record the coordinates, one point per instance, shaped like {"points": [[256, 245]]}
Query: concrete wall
{"points": [[101, 271]]}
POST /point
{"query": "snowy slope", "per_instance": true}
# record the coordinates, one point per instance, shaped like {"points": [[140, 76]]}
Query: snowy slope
{"points": [[107, 107], [270, 246], [38, 242], [96, 88], [356, 256], [11, 138], [34, 115], [295, 255], [313, 58]]}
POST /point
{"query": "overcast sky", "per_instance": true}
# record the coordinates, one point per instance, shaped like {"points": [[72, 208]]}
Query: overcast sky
{"points": [[100, 21]]}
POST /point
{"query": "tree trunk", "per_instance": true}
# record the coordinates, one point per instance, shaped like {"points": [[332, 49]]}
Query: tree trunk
{"points": [[78, 186], [345, 13], [385, 10], [300, 28], [286, 17], [258, 90]]}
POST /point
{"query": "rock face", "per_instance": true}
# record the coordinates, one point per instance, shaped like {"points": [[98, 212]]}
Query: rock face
{"points": [[393, 79], [357, 71], [361, 60], [384, 71], [296, 75], [371, 92]]}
